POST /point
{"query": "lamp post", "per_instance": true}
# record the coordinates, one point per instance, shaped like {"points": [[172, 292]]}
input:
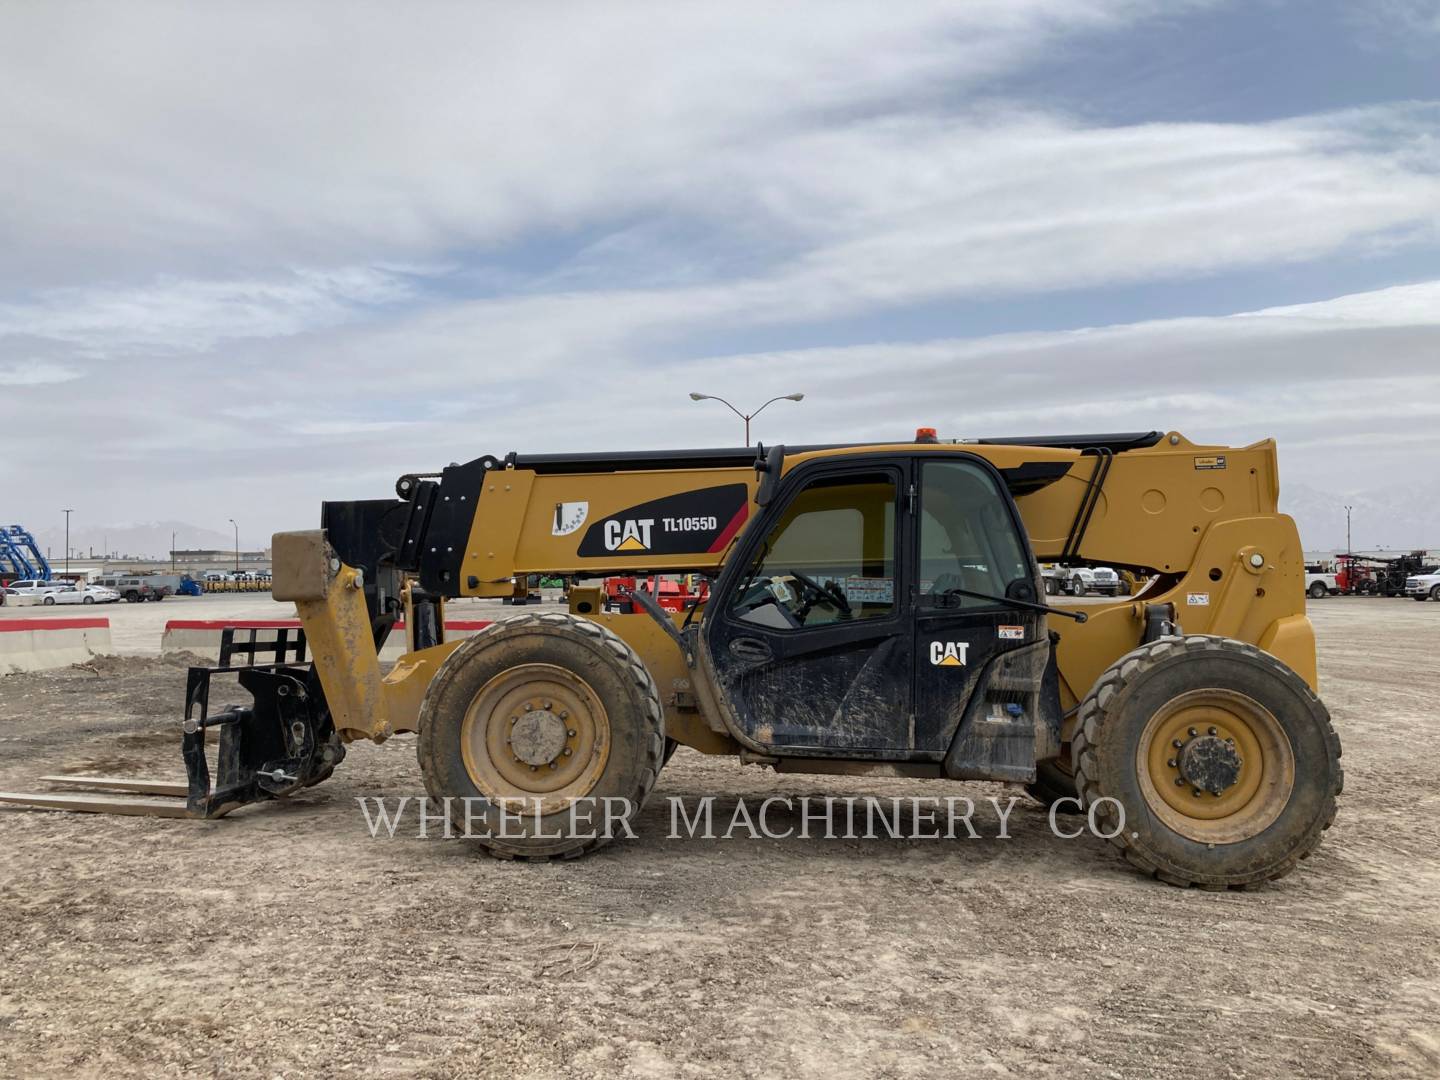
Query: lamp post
{"points": [[747, 417], [67, 542], [1348, 548], [237, 545]]}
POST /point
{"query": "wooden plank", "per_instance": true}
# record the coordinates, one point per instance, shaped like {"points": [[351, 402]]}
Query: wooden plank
{"points": [[133, 785], [96, 804]]}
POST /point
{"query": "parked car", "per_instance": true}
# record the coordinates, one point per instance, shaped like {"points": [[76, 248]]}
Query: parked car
{"points": [[44, 591], [132, 590], [1424, 585], [1319, 583], [89, 594], [216, 575]]}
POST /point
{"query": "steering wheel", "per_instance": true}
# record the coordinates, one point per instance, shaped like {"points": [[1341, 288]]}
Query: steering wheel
{"points": [[828, 593]]}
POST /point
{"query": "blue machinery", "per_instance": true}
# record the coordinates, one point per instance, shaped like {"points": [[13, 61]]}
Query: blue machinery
{"points": [[20, 556]]}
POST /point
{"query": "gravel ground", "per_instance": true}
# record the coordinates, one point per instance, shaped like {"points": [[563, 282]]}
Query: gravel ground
{"points": [[284, 941]]}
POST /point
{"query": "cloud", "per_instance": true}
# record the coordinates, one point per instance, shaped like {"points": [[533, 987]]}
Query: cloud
{"points": [[285, 256], [149, 139], [194, 315], [36, 373]]}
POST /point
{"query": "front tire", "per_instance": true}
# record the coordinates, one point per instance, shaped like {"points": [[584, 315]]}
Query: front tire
{"points": [[1250, 788], [1318, 591], [1435, 594], [88, 600], [49, 601], [555, 713]]}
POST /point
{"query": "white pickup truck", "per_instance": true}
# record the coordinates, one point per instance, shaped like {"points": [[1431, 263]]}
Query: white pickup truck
{"points": [[1082, 581], [1424, 585], [1319, 584]]}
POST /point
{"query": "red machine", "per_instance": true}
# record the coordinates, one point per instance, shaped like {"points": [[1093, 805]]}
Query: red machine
{"points": [[673, 594]]}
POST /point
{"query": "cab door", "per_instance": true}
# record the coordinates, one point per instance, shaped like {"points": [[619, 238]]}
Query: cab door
{"points": [[976, 653], [809, 631]]}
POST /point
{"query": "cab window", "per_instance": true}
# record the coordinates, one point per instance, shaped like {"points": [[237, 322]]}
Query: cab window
{"points": [[830, 558], [968, 538]]}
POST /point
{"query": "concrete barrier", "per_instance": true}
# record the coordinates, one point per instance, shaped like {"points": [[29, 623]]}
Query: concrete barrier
{"points": [[45, 644], [202, 636]]}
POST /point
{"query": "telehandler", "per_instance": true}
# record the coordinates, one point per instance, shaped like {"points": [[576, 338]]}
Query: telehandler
{"points": [[873, 609]]}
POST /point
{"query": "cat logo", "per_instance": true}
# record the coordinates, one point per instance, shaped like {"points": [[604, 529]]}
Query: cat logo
{"points": [[628, 535], [949, 653]]}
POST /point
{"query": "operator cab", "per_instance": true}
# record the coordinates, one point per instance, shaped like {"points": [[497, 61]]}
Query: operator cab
{"points": [[879, 605]]}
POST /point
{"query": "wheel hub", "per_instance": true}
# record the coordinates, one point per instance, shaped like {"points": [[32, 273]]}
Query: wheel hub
{"points": [[1215, 765], [536, 731], [1209, 763], [538, 737]]}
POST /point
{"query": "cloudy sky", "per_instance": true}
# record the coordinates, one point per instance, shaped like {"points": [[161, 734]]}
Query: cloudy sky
{"points": [[256, 256]]}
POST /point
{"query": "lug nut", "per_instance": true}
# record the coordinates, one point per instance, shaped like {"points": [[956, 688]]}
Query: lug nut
{"points": [[570, 732], [567, 751], [547, 705], [1179, 781], [1193, 733], [1197, 793], [564, 715], [1176, 743], [552, 764], [1172, 763], [532, 768], [528, 706], [1214, 731]]}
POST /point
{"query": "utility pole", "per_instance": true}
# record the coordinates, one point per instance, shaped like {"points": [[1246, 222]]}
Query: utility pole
{"points": [[172, 551], [67, 542], [237, 546], [747, 417], [1349, 550]]}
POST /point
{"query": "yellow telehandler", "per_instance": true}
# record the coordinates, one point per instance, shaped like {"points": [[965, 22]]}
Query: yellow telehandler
{"points": [[872, 609]]}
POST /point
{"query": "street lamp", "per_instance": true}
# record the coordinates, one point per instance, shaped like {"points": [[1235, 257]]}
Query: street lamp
{"points": [[67, 542], [237, 544], [1348, 548], [747, 417]]}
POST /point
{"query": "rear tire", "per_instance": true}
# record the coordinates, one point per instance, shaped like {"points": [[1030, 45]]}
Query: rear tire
{"points": [[49, 601], [88, 600], [1318, 591], [1252, 824], [1435, 594], [592, 730]]}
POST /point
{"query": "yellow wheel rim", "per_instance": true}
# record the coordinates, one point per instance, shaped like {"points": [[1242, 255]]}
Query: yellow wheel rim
{"points": [[535, 732], [1215, 766]]}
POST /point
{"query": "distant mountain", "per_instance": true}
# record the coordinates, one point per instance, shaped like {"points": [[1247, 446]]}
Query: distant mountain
{"points": [[149, 540], [1387, 519]]}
